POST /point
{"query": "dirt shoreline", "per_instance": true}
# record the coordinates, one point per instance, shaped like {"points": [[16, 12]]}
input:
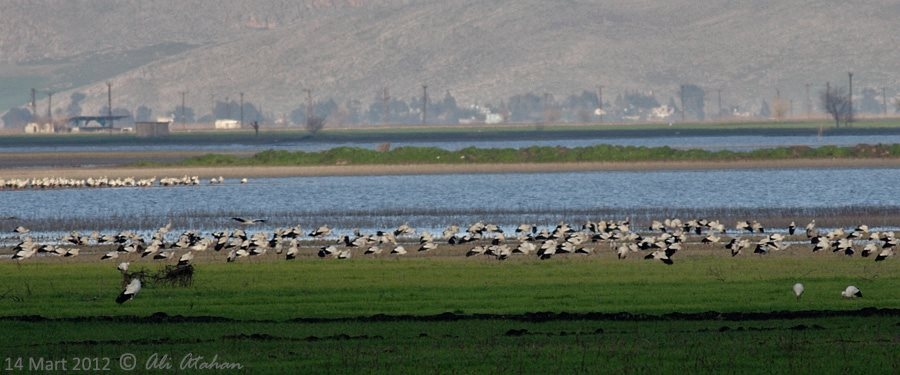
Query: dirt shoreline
{"points": [[375, 170]]}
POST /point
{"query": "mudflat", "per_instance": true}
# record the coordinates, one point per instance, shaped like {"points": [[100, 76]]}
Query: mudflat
{"points": [[117, 164]]}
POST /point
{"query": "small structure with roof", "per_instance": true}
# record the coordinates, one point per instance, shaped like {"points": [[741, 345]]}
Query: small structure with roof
{"points": [[151, 128]]}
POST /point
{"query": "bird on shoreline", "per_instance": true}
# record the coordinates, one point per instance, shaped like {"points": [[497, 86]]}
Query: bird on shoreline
{"points": [[320, 232]]}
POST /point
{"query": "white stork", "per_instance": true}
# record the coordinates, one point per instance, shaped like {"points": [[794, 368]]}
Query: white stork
{"points": [[851, 292], [185, 258], [130, 291], [884, 254], [798, 290], [661, 256], [248, 221]]}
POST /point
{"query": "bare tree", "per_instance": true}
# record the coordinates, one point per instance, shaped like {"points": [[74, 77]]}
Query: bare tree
{"points": [[837, 104], [780, 108], [314, 124]]}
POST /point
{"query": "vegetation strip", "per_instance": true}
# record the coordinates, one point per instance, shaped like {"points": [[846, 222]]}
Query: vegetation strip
{"points": [[533, 154]]}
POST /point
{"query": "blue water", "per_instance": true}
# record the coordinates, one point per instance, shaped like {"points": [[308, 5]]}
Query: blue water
{"points": [[714, 143], [378, 202]]}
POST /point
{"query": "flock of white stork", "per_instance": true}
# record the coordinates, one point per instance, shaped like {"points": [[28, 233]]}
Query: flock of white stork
{"points": [[103, 182], [660, 242]]}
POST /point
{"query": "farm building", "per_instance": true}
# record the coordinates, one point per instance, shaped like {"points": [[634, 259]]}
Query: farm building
{"points": [[35, 128], [151, 128], [227, 124]]}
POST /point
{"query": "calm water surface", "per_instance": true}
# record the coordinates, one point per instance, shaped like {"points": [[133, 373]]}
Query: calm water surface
{"points": [[712, 143], [438, 200]]}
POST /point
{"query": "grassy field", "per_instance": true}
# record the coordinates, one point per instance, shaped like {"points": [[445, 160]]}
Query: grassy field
{"points": [[441, 312], [706, 313]]}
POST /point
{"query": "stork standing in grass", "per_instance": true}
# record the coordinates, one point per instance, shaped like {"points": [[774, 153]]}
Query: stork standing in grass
{"points": [[130, 291], [851, 292], [798, 290], [661, 256], [186, 258]]}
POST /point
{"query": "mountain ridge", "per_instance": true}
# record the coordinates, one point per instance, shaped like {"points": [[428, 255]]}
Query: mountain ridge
{"points": [[479, 51]]}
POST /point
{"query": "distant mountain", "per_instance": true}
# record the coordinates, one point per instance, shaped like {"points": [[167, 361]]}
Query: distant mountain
{"points": [[480, 51]]}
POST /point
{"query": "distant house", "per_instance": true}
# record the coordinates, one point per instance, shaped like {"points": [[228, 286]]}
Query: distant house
{"points": [[151, 128], [493, 118], [227, 124], [35, 128], [661, 112]]}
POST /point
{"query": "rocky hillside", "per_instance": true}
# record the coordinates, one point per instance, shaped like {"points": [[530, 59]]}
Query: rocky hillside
{"points": [[480, 51]]}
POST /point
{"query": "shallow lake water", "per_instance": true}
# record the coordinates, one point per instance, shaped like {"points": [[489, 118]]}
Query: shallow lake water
{"points": [[435, 201], [712, 143]]}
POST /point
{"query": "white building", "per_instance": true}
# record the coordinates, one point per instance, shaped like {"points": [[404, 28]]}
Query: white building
{"points": [[35, 128], [227, 124]]}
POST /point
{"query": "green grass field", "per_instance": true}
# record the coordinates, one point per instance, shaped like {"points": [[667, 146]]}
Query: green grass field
{"points": [[706, 313]]}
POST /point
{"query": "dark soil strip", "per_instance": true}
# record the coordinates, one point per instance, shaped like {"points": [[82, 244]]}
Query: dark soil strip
{"points": [[533, 317]]}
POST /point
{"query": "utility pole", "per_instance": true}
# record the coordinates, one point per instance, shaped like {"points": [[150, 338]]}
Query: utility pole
{"points": [[828, 104], [183, 121], [884, 100], [50, 106], [424, 104], [850, 113], [600, 101], [719, 93], [242, 110], [34, 106], [808, 103], [109, 104], [681, 95], [212, 110], [385, 102]]}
